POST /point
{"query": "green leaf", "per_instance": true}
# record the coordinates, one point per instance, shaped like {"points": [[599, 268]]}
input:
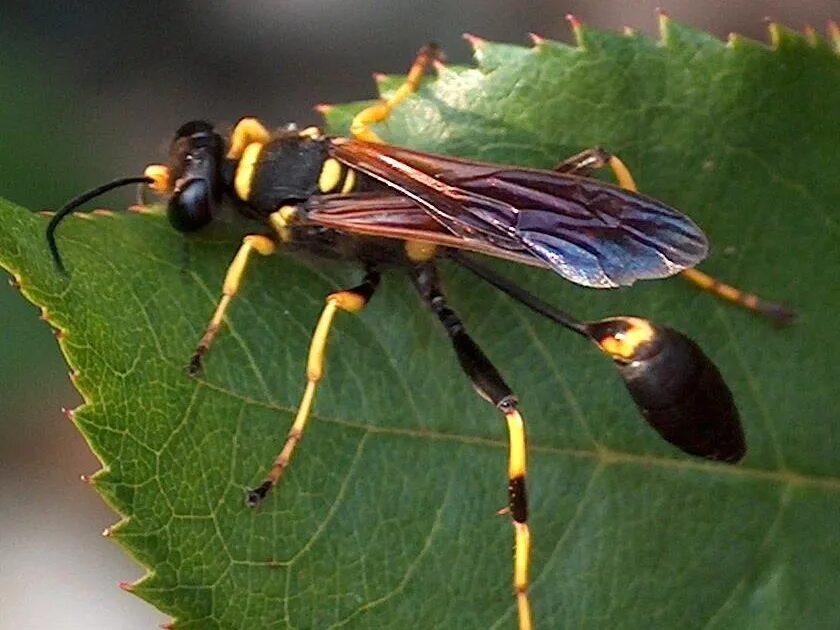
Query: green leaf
{"points": [[386, 516]]}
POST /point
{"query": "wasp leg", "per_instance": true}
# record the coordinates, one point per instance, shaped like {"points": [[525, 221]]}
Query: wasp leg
{"points": [[379, 112], [351, 301], [677, 389], [491, 386], [264, 246], [586, 162]]}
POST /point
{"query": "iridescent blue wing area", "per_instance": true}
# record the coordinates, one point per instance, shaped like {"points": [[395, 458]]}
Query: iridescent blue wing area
{"points": [[589, 232]]}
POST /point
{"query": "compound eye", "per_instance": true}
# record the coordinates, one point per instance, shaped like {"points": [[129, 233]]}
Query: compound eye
{"points": [[193, 127], [191, 207]]}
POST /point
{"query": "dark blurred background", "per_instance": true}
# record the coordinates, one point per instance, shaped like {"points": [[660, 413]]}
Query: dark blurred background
{"points": [[96, 91]]}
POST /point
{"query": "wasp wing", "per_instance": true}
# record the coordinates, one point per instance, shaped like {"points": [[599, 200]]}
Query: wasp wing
{"points": [[592, 233], [392, 215]]}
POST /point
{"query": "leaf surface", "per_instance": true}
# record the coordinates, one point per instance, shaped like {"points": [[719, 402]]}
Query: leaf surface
{"points": [[386, 517]]}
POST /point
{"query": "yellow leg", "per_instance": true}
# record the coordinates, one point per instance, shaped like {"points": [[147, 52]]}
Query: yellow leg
{"points": [[360, 127], [247, 131], [772, 310], [778, 313], [252, 243], [517, 469], [596, 158], [350, 301], [490, 385]]}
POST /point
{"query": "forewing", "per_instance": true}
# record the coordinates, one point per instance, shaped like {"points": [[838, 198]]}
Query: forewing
{"points": [[392, 215], [590, 232]]}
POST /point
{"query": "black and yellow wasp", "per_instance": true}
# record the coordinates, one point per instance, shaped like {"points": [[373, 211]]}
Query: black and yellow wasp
{"points": [[383, 207]]}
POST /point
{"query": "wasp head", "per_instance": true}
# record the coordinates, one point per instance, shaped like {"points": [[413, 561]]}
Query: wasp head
{"points": [[194, 171]]}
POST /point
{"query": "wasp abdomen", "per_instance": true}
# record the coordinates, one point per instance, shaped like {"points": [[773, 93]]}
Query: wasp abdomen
{"points": [[676, 387]]}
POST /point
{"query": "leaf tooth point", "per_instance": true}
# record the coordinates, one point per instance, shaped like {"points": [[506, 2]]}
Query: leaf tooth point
{"points": [[323, 108], [379, 77], [14, 281], [103, 212], [834, 34], [106, 533], [629, 31], [169, 625], [536, 40], [70, 414], [664, 22], [74, 376], [775, 32], [577, 29], [439, 66], [128, 587], [811, 35], [86, 479], [58, 334], [475, 41]]}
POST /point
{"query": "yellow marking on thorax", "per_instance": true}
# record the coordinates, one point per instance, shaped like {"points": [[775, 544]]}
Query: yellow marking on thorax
{"points": [[335, 175], [245, 170], [420, 251], [313, 133], [349, 181], [330, 176]]}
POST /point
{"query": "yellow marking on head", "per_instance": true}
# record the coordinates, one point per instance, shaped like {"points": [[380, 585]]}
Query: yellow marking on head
{"points": [[313, 133], [349, 181], [160, 174], [624, 345], [330, 175], [245, 170], [420, 251], [247, 130]]}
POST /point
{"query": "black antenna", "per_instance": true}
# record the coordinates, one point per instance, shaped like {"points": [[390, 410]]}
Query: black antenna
{"points": [[72, 205]]}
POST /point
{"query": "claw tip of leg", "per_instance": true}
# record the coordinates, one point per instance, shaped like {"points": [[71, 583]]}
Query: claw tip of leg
{"points": [[194, 368], [255, 496]]}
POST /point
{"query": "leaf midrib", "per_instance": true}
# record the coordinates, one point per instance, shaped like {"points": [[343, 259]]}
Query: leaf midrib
{"points": [[605, 456], [601, 454]]}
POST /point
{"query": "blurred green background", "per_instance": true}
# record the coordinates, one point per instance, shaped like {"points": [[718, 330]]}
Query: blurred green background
{"points": [[96, 91]]}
